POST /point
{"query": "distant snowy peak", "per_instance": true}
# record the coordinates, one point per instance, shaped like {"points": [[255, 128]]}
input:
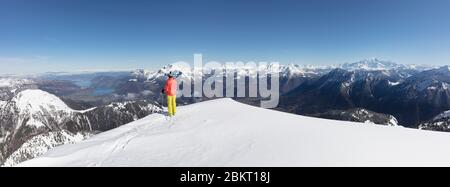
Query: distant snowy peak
{"points": [[377, 64], [370, 64], [38, 100], [296, 70], [12, 82]]}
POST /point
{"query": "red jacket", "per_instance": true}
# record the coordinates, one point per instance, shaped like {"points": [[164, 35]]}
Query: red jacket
{"points": [[171, 87]]}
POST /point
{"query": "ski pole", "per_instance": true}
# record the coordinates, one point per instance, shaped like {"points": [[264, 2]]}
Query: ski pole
{"points": [[162, 98]]}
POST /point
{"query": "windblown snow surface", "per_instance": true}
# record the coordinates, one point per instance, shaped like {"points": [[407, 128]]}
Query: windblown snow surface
{"points": [[223, 132]]}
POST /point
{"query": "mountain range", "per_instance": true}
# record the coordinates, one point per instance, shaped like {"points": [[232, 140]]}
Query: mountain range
{"points": [[40, 112], [411, 99]]}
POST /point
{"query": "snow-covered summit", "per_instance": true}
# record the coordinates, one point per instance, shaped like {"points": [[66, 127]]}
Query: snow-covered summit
{"points": [[223, 132], [36, 108], [36, 100]]}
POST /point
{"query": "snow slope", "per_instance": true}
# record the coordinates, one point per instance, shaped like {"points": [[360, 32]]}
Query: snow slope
{"points": [[223, 132]]}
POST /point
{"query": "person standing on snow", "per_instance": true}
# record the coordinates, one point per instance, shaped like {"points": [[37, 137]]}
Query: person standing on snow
{"points": [[170, 89]]}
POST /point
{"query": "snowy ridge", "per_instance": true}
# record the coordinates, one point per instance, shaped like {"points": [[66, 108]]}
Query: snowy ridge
{"points": [[204, 134]]}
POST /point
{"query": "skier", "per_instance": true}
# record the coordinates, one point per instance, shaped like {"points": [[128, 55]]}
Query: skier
{"points": [[170, 89]]}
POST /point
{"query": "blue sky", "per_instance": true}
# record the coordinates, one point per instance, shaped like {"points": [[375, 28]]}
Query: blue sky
{"points": [[68, 35]]}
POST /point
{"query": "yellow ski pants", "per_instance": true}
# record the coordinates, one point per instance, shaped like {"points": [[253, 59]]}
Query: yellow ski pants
{"points": [[172, 104]]}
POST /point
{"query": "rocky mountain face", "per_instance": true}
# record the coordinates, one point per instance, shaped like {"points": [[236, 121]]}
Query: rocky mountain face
{"points": [[359, 115], [410, 95], [439, 123], [34, 121], [420, 97], [442, 124]]}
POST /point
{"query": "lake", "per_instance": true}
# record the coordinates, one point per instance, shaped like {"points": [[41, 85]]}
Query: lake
{"points": [[102, 91]]}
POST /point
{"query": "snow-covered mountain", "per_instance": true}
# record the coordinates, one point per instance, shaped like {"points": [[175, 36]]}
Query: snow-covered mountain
{"points": [[204, 134], [33, 107], [28, 113], [34, 121]]}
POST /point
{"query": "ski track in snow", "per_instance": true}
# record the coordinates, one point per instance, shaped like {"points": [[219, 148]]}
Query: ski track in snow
{"points": [[223, 132]]}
